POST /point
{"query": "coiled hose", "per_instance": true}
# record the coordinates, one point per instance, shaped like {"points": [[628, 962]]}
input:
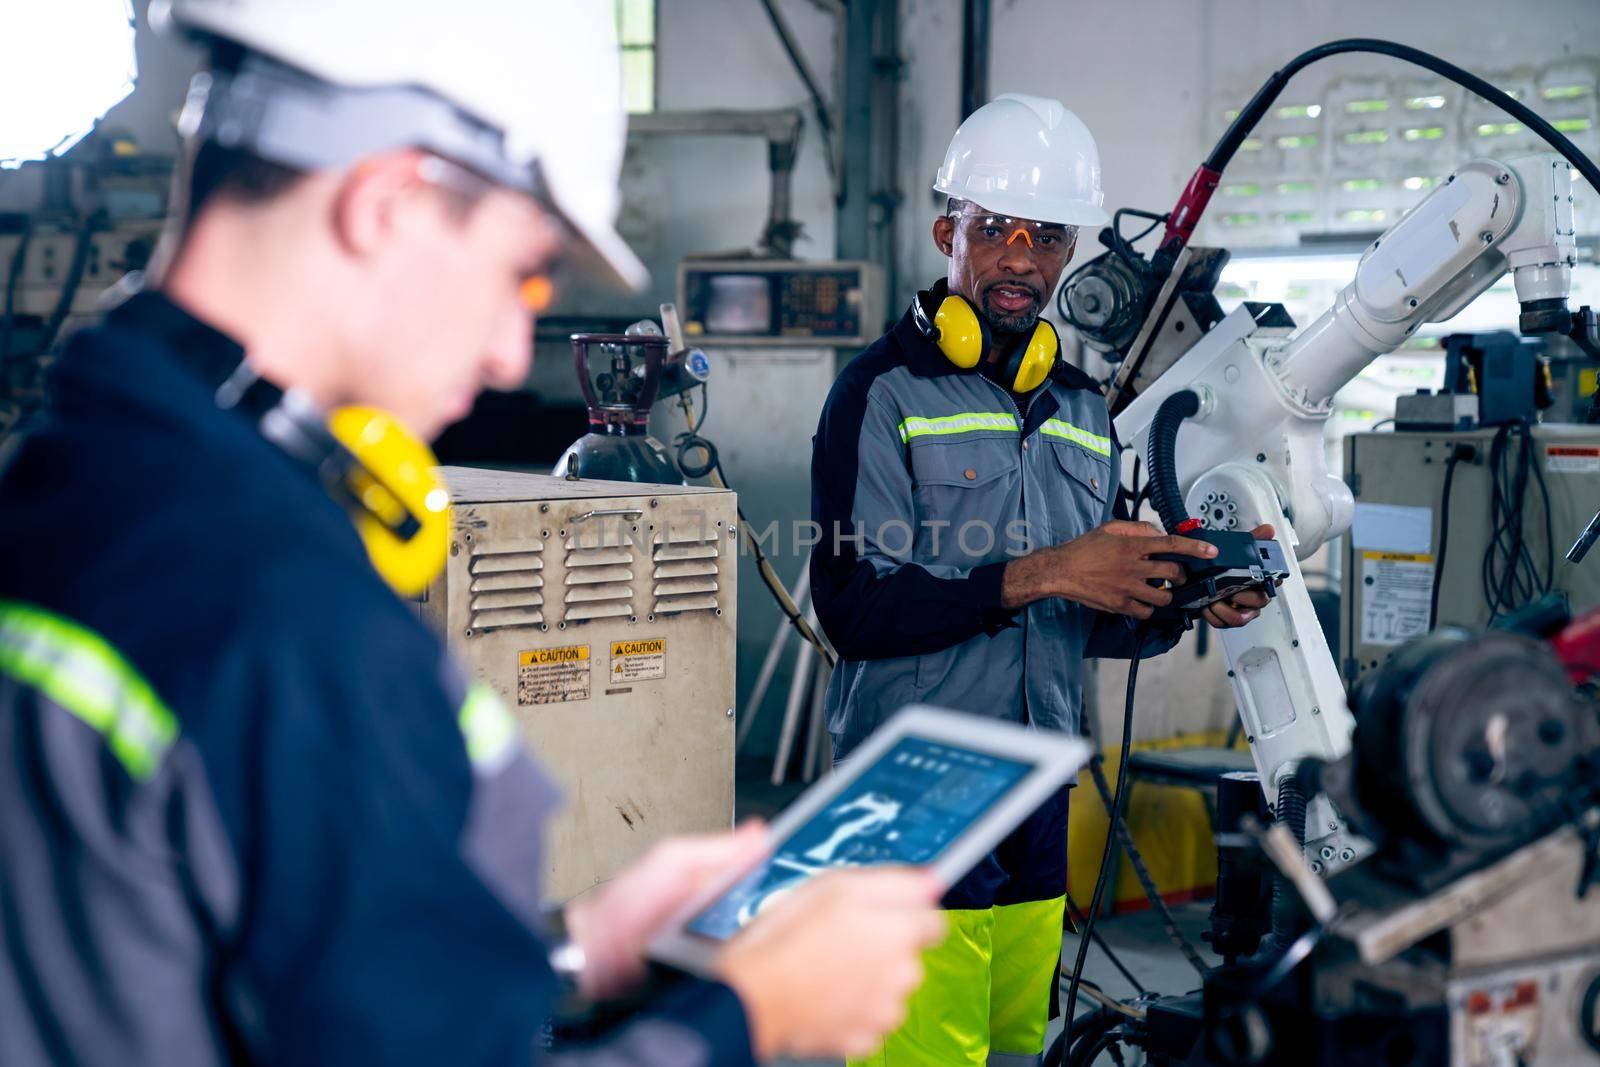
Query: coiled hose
{"points": [[1292, 813], [1161, 458]]}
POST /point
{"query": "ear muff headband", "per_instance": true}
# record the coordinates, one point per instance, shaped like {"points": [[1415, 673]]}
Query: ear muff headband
{"points": [[957, 330], [401, 507]]}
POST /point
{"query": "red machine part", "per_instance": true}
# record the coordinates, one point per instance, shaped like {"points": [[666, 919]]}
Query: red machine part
{"points": [[1578, 647], [1191, 205]]}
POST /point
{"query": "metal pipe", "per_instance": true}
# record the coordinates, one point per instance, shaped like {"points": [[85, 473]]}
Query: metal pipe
{"points": [[825, 119], [974, 56]]}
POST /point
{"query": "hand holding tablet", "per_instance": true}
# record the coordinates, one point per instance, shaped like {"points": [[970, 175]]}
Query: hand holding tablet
{"points": [[829, 970], [931, 788]]}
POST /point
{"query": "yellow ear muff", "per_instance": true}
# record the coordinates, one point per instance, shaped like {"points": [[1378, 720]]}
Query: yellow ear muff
{"points": [[960, 335], [1037, 358], [404, 507]]}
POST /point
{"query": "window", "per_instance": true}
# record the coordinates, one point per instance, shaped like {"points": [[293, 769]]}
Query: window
{"points": [[636, 29]]}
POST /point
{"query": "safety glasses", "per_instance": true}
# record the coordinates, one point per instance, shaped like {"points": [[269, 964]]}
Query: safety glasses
{"points": [[1046, 240], [537, 291]]}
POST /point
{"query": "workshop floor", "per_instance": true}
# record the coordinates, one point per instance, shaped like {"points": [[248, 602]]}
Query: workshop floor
{"points": [[1138, 940]]}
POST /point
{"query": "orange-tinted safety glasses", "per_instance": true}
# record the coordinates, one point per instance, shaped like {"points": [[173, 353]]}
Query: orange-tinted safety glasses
{"points": [[1040, 237], [537, 292]]}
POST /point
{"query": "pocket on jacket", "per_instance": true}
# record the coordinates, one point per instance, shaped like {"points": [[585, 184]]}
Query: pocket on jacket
{"points": [[1080, 506], [961, 482]]}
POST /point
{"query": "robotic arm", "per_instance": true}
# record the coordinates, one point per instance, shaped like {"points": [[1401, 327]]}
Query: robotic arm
{"points": [[1254, 453]]}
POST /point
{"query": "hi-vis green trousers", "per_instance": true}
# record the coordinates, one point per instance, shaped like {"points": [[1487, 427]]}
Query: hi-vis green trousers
{"points": [[990, 987]]}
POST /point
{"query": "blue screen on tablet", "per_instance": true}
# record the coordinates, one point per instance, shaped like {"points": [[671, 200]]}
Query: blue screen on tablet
{"points": [[907, 807]]}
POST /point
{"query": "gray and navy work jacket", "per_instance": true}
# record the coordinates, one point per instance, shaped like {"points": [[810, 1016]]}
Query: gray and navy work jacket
{"points": [[926, 480], [249, 812]]}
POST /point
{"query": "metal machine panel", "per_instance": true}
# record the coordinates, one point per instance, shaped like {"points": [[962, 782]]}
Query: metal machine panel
{"points": [[602, 613], [1390, 554], [780, 302]]}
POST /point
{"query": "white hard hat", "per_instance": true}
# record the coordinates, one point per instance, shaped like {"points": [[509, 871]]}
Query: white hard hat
{"points": [[1027, 157], [527, 91]]}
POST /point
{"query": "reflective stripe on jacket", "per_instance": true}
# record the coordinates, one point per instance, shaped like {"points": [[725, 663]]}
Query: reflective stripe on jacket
{"points": [[250, 812]]}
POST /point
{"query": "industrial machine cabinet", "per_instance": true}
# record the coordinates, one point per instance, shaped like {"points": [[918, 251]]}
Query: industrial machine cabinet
{"points": [[1390, 555], [602, 613]]}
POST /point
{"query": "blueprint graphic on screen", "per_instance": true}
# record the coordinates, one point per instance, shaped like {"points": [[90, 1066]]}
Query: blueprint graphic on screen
{"points": [[906, 808]]}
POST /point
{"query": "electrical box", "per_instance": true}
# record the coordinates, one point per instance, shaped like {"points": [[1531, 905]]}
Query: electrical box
{"points": [[1391, 553], [602, 613], [45, 271], [781, 302]]}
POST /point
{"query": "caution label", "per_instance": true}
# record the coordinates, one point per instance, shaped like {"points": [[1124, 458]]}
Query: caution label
{"points": [[553, 675], [1571, 459], [1396, 593], [638, 661]]}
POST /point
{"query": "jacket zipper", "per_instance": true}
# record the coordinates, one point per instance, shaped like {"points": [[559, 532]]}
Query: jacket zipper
{"points": [[1022, 473]]}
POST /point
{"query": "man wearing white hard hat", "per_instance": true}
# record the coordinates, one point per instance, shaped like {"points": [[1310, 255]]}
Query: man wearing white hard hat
{"points": [[964, 477], [250, 813]]}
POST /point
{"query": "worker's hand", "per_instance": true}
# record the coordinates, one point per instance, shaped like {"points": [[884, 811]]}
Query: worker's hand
{"points": [[1241, 607], [615, 922], [828, 971], [1107, 569]]}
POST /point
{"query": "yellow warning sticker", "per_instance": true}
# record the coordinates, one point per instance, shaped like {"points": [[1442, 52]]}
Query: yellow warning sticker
{"points": [[553, 675], [638, 661], [1399, 557]]}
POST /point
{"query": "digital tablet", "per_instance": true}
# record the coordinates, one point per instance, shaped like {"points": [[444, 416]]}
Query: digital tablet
{"points": [[930, 788]]}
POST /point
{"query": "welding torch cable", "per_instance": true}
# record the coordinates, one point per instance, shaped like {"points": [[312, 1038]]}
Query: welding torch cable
{"points": [[1098, 897], [769, 574], [1142, 870]]}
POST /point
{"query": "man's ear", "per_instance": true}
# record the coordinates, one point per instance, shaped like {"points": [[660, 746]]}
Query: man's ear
{"points": [[375, 198], [944, 233]]}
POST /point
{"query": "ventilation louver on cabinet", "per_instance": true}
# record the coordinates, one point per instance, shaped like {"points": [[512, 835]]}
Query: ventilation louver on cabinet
{"points": [[507, 585], [685, 570], [599, 582]]}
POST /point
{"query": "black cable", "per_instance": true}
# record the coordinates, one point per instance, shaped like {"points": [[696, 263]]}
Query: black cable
{"points": [[73, 281], [1510, 577], [1115, 813], [712, 464], [1146, 882], [1092, 1052], [1123, 246], [1079, 921], [1161, 457], [1549, 520], [13, 278], [1253, 112], [1095, 1025], [1444, 533]]}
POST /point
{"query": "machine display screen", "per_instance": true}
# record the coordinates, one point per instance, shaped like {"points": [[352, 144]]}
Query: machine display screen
{"points": [[906, 808], [798, 304]]}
